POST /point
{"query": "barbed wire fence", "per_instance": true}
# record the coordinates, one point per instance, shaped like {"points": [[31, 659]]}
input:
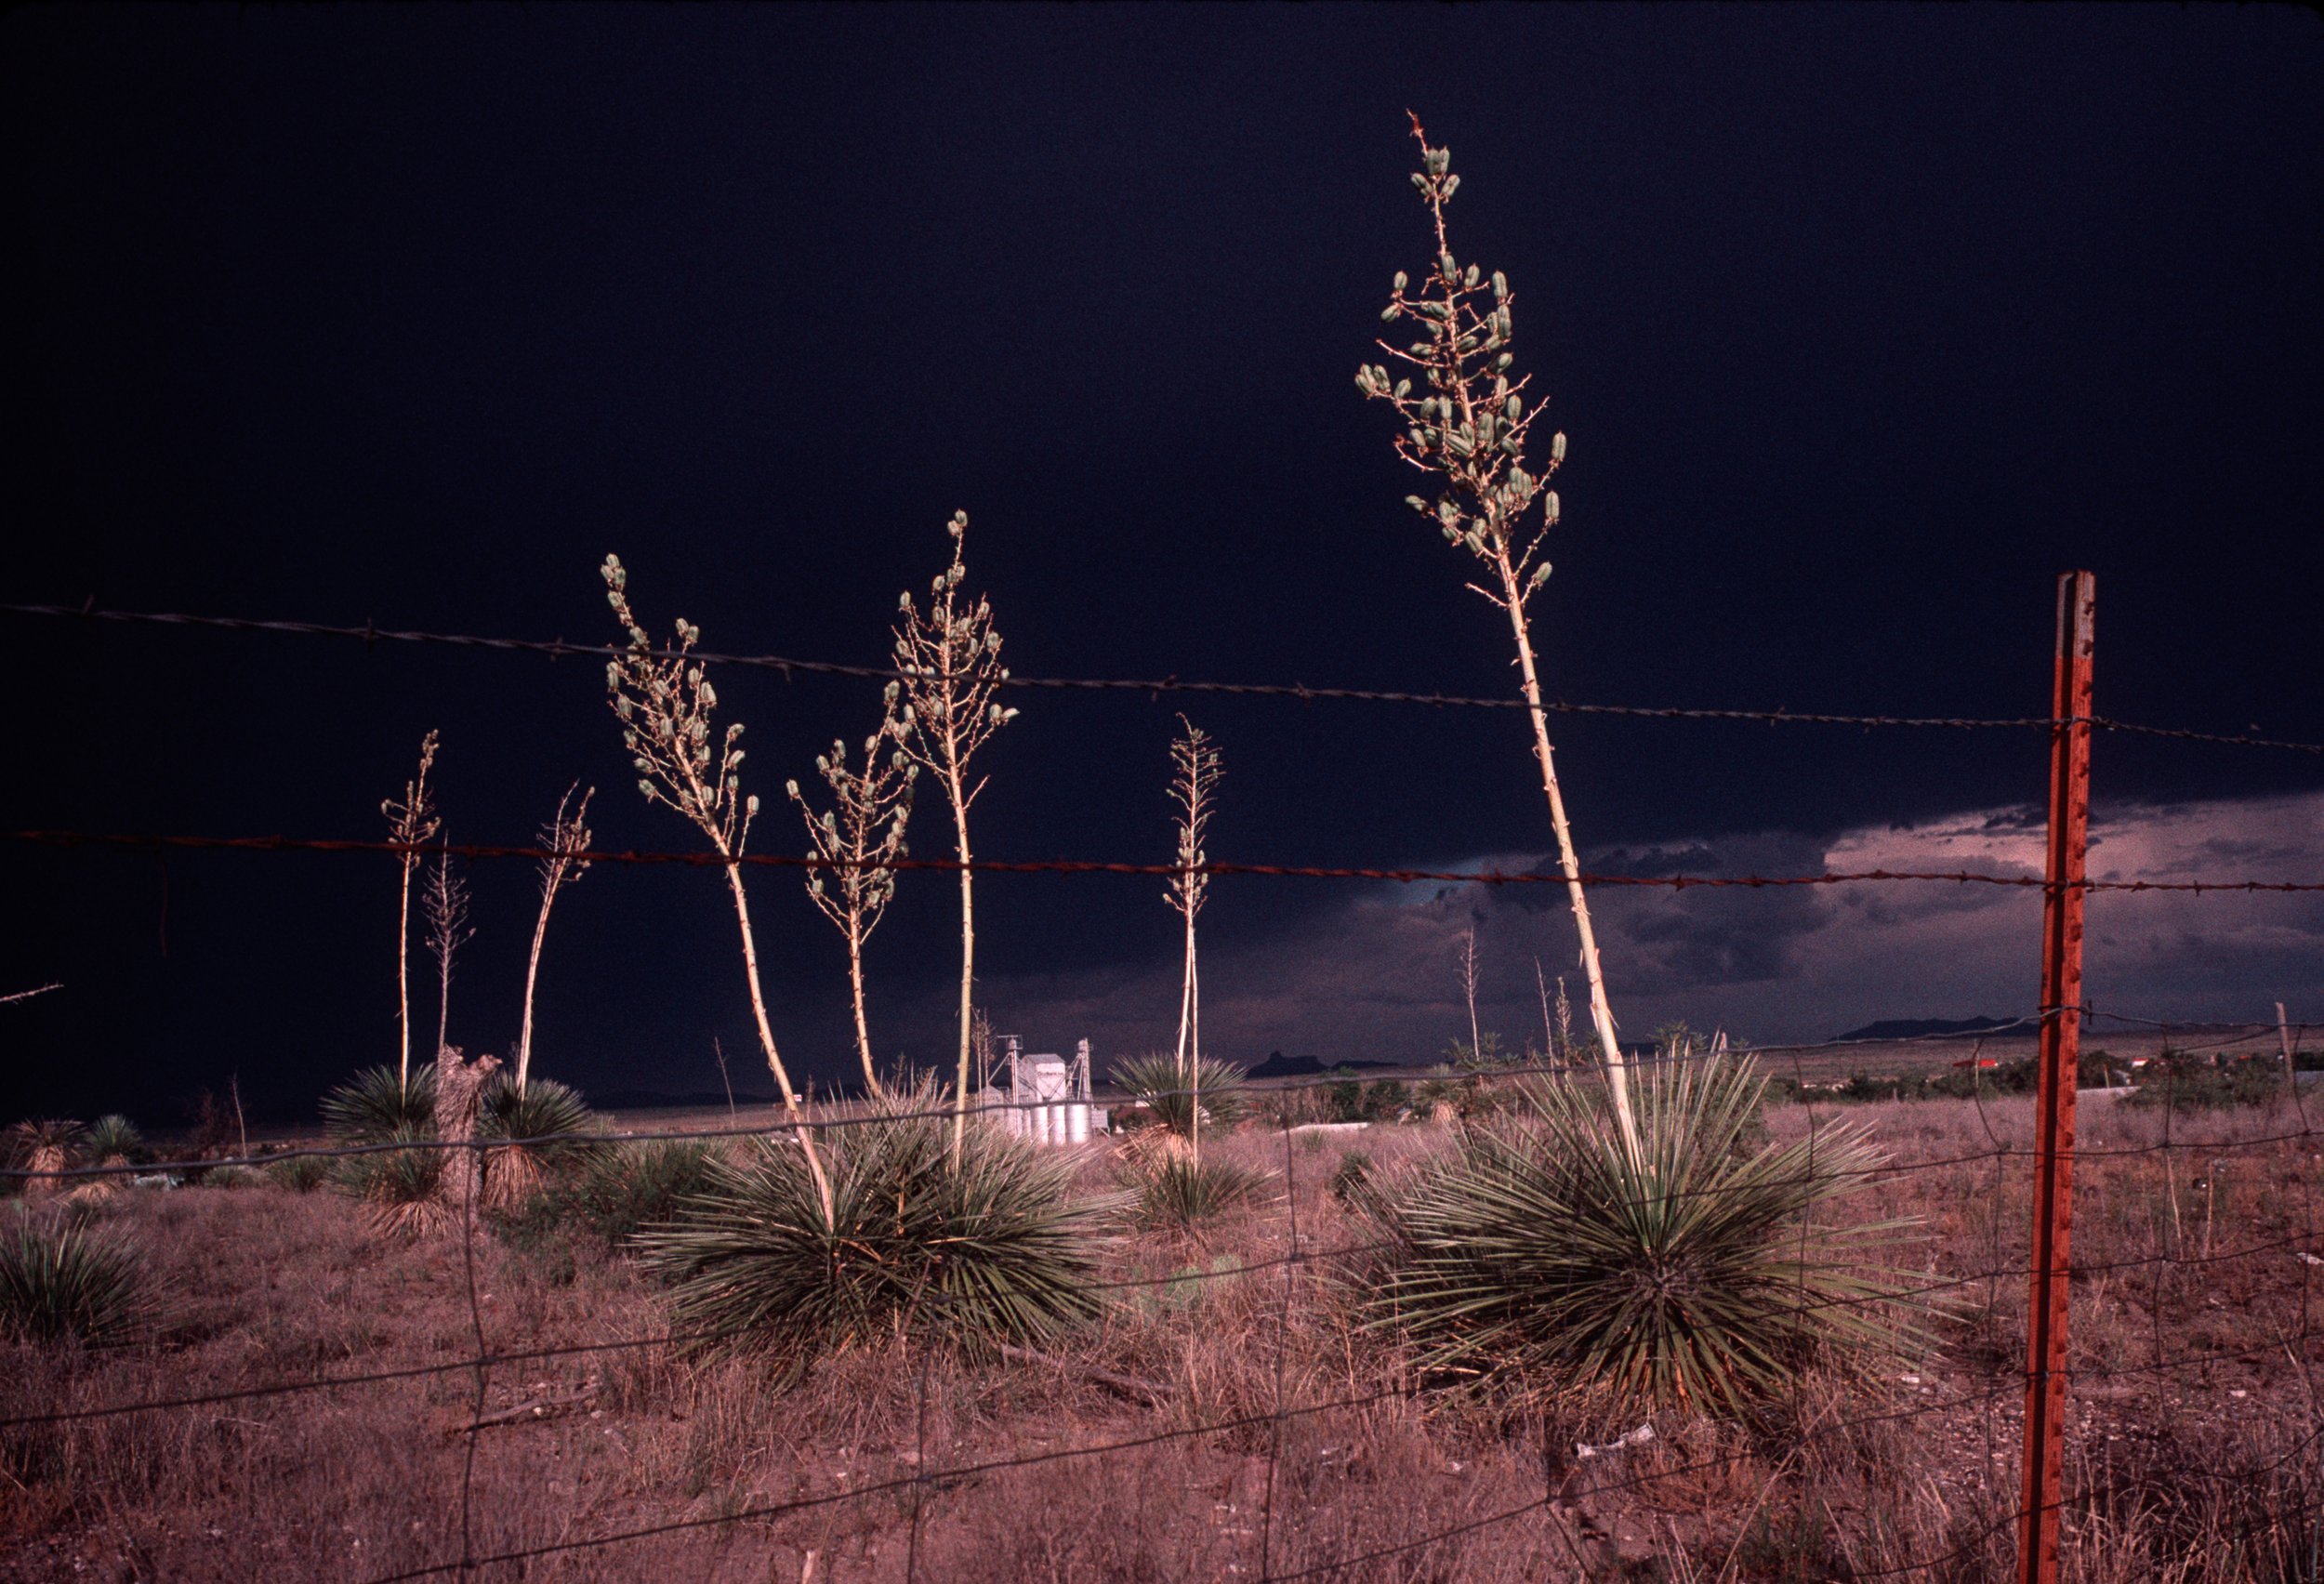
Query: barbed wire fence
{"points": [[1972, 1286]]}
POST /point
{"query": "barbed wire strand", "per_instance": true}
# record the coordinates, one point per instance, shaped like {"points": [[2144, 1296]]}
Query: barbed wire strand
{"points": [[710, 860], [370, 634], [484, 1353]]}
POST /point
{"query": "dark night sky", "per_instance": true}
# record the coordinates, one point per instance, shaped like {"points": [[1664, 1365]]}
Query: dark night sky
{"points": [[1864, 324]]}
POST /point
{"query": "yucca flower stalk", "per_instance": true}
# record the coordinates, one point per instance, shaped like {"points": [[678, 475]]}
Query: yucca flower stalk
{"points": [[665, 705], [949, 658], [444, 902], [1694, 1273], [1468, 422], [566, 837], [411, 823], [1195, 771], [861, 835]]}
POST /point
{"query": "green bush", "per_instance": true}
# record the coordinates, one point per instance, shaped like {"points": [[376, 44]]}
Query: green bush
{"points": [[374, 1106], [1541, 1252], [301, 1173], [61, 1280], [2188, 1081], [1157, 1082], [988, 1250], [1351, 1177], [631, 1186], [1181, 1194], [562, 1129], [401, 1189], [113, 1140], [1355, 1100]]}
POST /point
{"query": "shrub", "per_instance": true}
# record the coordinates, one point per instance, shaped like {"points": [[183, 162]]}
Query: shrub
{"points": [[987, 1250], [1165, 1089], [544, 1109], [401, 1189], [300, 1173], [61, 1280], [1540, 1249], [623, 1189], [43, 1144], [374, 1106], [2185, 1081], [1355, 1100], [1177, 1192], [1351, 1177], [113, 1140]]}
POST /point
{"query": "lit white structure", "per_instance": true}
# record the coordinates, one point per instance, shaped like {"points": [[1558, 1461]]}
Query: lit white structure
{"points": [[1047, 1097]]}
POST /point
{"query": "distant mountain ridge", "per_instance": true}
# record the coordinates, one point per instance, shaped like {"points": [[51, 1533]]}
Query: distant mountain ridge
{"points": [[1928, 1028]]}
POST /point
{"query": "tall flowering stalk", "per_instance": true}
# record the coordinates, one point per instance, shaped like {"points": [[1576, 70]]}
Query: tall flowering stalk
{"points": [[1195, 771], [949, 656], [665, 705], [411, 824], [444, 901], [861, 835], [1467, 422], [566, 838]]}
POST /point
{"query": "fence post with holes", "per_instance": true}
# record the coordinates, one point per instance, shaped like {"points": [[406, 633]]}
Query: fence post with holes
{"points": [[2041, 1500]]}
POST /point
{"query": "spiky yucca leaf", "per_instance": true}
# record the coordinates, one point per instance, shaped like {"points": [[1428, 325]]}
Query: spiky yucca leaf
{"points": [[401, 1189], [63, 1280], [989, 1251], [1695, 1274], [1157, 1082], [543, 1110], [374, 1108], [114, 1140], [1177, 1192]]}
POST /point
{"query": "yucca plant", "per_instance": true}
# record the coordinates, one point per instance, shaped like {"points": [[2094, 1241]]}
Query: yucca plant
{"points": [[110, 1142], [543, 1110], [1543, 1252], [401, 1189], [987, 1250], [1468, 421], [948, 659], [1168, 1091], [378, 1103], [63, 1280], [113, 1140], [1180, 1192], [43, 1146], [666, 705], [410, 821]]}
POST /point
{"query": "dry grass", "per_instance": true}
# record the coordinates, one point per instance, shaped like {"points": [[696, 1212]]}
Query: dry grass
{"points": [[2198, 1470]]}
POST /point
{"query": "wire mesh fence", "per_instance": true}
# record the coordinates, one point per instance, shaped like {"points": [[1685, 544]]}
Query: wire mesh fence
{"points": [[507, 1393]]}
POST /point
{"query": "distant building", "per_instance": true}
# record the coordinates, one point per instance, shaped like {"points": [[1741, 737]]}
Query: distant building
{"points": [[1047, 1097]]}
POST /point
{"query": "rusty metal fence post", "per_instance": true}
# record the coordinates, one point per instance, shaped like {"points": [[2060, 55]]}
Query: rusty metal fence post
{"points": [[2041, 1497]]}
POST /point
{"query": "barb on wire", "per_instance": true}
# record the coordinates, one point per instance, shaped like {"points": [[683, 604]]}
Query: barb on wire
{"points": [[1304, 692]]}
